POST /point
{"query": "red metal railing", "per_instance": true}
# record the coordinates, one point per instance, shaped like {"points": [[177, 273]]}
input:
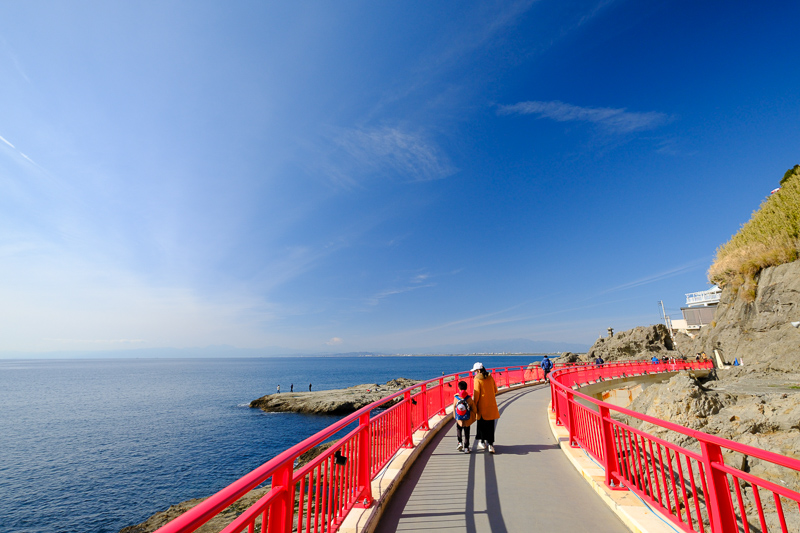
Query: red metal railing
{"points": [[697, 485], [317, 497]]}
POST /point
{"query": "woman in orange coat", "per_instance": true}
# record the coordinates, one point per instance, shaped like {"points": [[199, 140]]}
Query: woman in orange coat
{"points": [[485, 396]]}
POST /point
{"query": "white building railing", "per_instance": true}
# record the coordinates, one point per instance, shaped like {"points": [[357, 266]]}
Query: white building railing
{"points": [[704, 297]]}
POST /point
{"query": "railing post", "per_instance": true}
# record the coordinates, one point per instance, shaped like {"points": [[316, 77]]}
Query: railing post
{"points": [[571, 418], [442, 411], [720, 504], [424, 397], [508, 380], [409, 429], [554, 402], [609, 448], [364, 462], [282, 509]]}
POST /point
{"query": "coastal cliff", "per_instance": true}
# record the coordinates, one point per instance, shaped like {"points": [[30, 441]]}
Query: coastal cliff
{"points": [[760, 332]]}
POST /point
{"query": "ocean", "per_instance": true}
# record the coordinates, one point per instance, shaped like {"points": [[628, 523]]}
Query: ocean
{"points": [[97, 445]]}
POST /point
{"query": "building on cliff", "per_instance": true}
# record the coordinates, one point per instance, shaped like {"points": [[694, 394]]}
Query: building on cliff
{"points": [[699, 311]]}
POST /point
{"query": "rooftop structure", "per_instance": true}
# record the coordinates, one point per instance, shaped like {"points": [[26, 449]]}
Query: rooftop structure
{"points": [[704, 298]]}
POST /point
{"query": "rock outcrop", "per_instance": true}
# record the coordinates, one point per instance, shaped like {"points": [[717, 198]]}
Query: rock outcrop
{"points": [[639, 343], [330, 402]]}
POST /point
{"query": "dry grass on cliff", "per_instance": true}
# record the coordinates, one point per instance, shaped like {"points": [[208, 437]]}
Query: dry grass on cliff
{"points": [[771, 237]]}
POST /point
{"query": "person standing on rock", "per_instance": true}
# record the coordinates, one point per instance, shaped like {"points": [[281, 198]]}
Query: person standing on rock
{"points": [[279, 390], [309, 387], [464, 411], [484, 395], [291, 387]]}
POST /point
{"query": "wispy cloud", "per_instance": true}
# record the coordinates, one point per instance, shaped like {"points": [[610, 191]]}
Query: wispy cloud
{"points": [[335, 341], [688, 267], [14, 60], [611, 119], [473, 321], [99, 341], [375, 300], [5, 141], [403, 155]]}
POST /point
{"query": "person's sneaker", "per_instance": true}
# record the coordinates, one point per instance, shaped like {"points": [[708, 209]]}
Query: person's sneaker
{"points": [[466, 449], [491, 449], [481, 445], [460, 447]]}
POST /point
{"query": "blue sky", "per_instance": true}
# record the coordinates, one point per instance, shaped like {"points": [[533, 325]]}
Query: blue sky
{"points": [[347, 176]]}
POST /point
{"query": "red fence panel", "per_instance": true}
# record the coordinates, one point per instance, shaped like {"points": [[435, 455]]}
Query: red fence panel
{"points": [[697, 490]]}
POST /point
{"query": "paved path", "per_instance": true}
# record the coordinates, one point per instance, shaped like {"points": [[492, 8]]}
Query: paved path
{"points": [[528, 485]]}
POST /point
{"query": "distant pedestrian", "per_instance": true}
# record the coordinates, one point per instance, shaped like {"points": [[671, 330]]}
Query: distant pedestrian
{"points": [[309, 387], [465, 413], [279, 390], [655, 360], [291, 387], [599, 361], [547, 366], [484, 394]]}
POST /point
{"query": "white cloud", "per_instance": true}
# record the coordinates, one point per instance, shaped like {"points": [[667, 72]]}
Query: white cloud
{"points": [[613, 120], [335, 341]]}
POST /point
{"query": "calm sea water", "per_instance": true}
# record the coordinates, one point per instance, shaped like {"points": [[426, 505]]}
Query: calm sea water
{"points": [[97, 445]]}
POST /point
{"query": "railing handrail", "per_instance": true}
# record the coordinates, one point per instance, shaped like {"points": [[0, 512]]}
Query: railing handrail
{"points": [[203, 512], [697, 434]]}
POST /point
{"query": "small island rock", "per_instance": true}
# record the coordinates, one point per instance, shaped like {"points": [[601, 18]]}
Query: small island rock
{"points": [[330, 402]]}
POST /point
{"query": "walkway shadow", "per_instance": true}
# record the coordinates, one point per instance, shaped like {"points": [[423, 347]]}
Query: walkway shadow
{"points": [[524, 449]]}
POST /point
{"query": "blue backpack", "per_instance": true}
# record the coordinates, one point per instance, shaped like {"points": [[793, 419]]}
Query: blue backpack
{"points": [[462, 410]]}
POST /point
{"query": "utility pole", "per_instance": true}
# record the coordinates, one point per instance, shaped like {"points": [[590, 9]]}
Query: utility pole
{"points": [[667, 321]]}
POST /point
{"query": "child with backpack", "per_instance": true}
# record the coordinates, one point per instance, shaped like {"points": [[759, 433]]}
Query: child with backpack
{"points": [[465, 414]]}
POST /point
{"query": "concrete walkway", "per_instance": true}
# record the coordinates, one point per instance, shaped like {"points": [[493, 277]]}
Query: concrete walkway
{"points": [[528, 485]]}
